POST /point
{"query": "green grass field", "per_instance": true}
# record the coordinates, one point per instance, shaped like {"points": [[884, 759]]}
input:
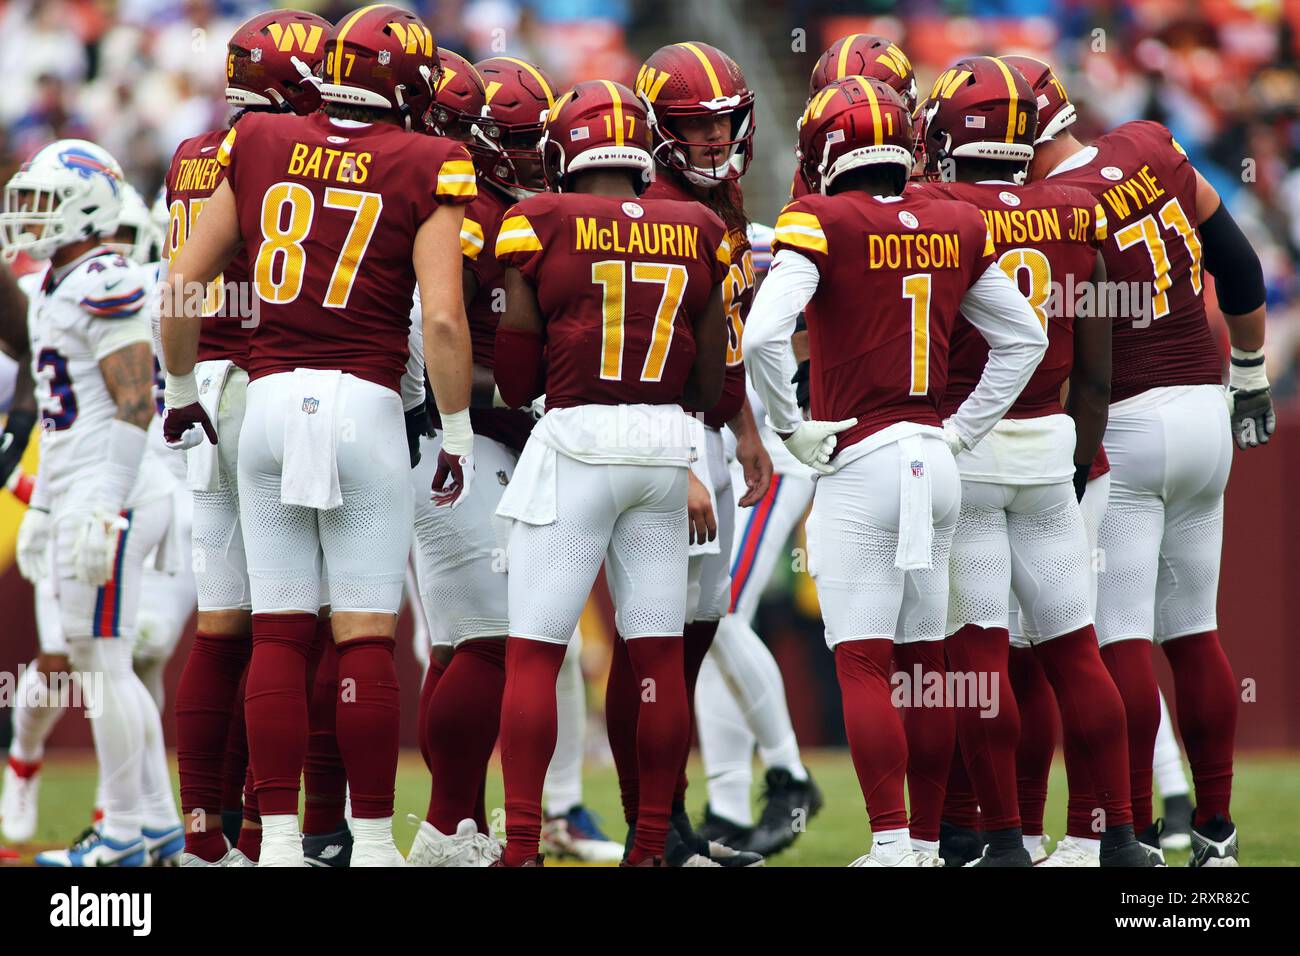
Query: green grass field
{"points": [[1264, 806]]}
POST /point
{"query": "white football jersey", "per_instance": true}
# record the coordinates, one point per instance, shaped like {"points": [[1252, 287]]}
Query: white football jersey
{"points": [[93, 311], [173, 461]]}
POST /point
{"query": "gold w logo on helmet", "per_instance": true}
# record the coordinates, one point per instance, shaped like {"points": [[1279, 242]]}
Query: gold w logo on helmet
{"points": [[817, 105], [414, 37], [948, 83], [295, 35], [896, 60], [650, 81], [448, 74]]}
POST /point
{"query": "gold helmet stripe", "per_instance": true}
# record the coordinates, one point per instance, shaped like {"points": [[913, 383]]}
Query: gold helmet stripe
{"points": [[618, 111], [343, 33], [708, 68], [546, 89], [841, 68], [1011, 90]]}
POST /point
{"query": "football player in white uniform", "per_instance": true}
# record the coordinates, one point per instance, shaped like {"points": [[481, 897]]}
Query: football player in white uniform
{"points": [[98, 498]]}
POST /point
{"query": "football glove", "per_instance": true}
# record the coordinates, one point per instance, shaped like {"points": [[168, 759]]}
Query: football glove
{"points": [[418, 423], [1250, 401], [95, 546], [952, 438], [813, 443], [452, 480], [13, 442], [185, 427], [33, 544]]}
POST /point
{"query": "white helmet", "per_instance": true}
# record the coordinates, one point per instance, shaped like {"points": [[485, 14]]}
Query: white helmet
{"points": [[159, 213], [69, 191], [137, 236]]}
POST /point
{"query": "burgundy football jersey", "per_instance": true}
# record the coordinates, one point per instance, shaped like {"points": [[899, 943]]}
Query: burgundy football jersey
{"points": [[191, 179], [618, 282], [893, 273], [329, 213], [737, 296], [1147, 188], [1046, 237], [478, 239]]}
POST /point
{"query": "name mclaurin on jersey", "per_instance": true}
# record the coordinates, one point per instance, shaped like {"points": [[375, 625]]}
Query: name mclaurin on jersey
{"points": [[645, 238]]}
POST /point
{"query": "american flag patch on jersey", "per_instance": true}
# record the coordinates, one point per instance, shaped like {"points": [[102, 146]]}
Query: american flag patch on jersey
{"points": [[580, 133], [918, 468], [974, 122]]}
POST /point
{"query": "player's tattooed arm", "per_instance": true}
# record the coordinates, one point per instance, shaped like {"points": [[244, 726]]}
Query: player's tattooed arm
{"points": [[754, 460], [704, 384], [128, 374], [1088, 401]]}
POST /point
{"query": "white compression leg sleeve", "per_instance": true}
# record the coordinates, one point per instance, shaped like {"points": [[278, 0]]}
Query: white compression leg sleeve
{"points": [[1168, 764], [563, 786], [726, 744], [34, 716], [157, 805], [109, 691]]}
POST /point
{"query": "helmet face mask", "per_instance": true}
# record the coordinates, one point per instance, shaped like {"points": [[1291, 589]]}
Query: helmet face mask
{"points": [[507, 140], [71, 190], [458, 99]]}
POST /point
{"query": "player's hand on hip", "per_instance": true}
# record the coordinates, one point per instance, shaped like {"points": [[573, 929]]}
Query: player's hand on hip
{"points": [[94, 549], [813, 443], [703, 526], [452, 480], [33, 553]]}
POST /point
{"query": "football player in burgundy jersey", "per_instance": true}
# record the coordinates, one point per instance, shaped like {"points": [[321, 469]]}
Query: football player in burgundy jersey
{"points": [[1021, 528], [701, 113], [624, 293], [269, 70], [888, 497], [340, 213], [1169, 439]]}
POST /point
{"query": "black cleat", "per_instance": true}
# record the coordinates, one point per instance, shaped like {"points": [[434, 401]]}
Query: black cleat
{"points": [[1003, 858], [1214, 844], [1120, 848], [721, 830], [1178, 823], [695, 844], [1149, 840], [959, 845], [788, 805], [328, 849]]}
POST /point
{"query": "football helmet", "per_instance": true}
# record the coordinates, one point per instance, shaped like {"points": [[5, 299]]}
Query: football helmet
{"points": [[1055, 111], [688, 80], [518, 95], [598, 124], [271, 61], [137, 237], [865, 54], [981, 108], [69, 191], [382, 57], [457, 99], [854, 122]]}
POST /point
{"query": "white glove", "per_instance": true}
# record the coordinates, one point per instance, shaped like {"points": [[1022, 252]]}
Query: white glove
{"points": [[813, 443], [95, 546], [537, 408], [956, 444], [33, 550]]}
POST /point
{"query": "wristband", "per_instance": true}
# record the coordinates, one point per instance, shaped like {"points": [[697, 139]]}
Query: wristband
{"points": [[1246, 370], [180, 390], [457, 435]]}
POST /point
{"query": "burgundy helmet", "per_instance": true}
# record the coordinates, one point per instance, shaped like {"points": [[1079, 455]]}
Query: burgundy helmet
{"points": [[457, 99], [517, 95], [1055, 111], [865, 54], [853, 122], [271, 61], [598, 124], [980, 108]]}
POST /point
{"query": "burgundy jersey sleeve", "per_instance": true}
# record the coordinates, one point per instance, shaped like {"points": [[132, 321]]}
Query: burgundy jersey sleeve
{"points": [[194, 174], [1147, 189], [892, 275], [624, 280], [1045, 238], [329, 214]]}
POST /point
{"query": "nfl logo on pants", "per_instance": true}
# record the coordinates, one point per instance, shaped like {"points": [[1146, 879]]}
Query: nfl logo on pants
{"points": [[310, 405], [918, 468]]}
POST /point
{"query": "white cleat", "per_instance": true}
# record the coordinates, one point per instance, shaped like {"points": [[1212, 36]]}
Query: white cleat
{"points": [[927, 858], [1037, 847], [466, 848], [233, 857], [93, 849], [375, 853], [18, 805], [576, 835], [280, 851], [164, 845], [1072, 851], [897, 853]]}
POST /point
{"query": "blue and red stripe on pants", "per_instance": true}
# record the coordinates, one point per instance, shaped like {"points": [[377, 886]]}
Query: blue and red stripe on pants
{"points": [[751, 539], [108, 600]]}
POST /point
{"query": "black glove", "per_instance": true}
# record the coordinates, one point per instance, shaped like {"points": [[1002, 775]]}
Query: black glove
{"points": [[802, 386], [14, 441], [1081, 480], [417, 424]]}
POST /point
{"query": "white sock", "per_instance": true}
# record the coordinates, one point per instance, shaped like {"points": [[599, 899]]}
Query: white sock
{"points": [[754, 677], [563, 786], [1032, 841], [108, 690], [373, 831], [891, 843], [157, 805], [35, 715], [924, 846], [726, 745], [1092, 846], [1168, 762]]}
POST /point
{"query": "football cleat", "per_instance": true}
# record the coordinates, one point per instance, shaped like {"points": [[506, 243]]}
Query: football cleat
{"points": [[466, 848], [1214, 844], [93, 849], [18, 803], [1149, 839], [959, 845], [328, 849], [1072, 851], [1178, 823], [373, 853], [233, 857], [1037, 847], [164, 845], [788, 805], [897, 853], [280, 850], [719, 853], [721, 830], [1009, 857], [577, 835], [927, 858]]}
